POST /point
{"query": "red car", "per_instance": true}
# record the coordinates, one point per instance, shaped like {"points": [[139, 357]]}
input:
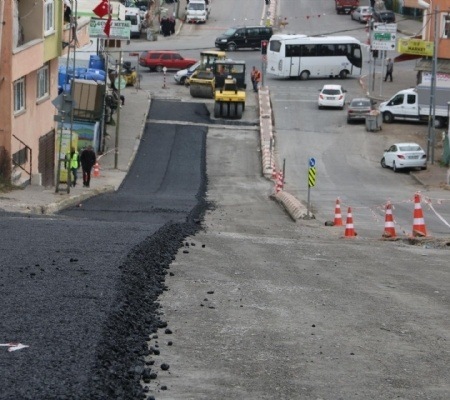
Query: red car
{"points": [[156, 60]]}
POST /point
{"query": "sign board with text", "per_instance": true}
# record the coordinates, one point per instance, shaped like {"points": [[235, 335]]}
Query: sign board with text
{"points": [[120, 30], [415, 46], [383, 36]]}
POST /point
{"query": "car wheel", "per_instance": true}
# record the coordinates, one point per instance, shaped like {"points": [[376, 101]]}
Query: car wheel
{"points": [[231, 47], [383, 163], [159, 68], [304, 76], [320, 107], [394, 167], [423, 168], [388, 117], [349, 121], [183, 80]]}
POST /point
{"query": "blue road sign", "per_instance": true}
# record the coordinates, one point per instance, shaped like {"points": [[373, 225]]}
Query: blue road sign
{"points": [[312, 162]]}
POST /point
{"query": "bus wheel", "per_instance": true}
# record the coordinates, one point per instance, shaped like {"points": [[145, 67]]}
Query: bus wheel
{"points": [[343, 74], [304, 76]]}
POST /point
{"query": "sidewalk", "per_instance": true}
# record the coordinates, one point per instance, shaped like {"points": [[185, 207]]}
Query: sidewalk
{"points": [[39, 200]]}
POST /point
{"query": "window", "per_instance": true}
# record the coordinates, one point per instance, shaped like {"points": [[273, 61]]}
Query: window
{"points": [[19, 95], [446, 24], [49, 16], [42, 82]]}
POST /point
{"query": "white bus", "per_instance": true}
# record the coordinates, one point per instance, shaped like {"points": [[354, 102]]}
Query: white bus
{"points": [[301, 56]]}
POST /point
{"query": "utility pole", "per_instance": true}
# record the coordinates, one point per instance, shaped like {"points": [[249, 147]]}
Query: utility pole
{"points": [[432, 113], [119, 84]]}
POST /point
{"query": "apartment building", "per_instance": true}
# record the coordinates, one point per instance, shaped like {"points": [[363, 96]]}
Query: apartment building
{"points": [[30, 44]]}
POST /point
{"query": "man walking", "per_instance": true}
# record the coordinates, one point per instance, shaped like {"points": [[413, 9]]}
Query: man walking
{"points": [[389, 69], [88, 160], [255, 77]]}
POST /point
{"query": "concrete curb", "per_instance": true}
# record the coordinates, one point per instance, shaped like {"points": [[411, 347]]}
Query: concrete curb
{"points": [[53, 208]]}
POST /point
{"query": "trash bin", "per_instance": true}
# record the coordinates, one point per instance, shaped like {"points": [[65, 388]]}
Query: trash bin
{"points": [[374, 121]]}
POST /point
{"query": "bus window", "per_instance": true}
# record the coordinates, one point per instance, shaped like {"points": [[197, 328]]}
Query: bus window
{"points": [[293, 50], [308, 50], [275, 45], [355, 55]]}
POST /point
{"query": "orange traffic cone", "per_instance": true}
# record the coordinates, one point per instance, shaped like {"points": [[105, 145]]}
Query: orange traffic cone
{"points": [[349, 229], [337, 214], [96, 170], [419, 228], [389, 228]]}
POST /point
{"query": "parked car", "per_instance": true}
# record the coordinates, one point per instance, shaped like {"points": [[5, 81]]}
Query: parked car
{"points": [[332, 96], [182, 75], [156, 60], [361, 14], [243, 37], [382, 14], [404, 155], [358, 109]]}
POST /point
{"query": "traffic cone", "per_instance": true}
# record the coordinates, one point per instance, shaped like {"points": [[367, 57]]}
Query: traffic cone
{"points": [[337, 214], [349, 229], [419, 228], [96, 170], [389, 228]]}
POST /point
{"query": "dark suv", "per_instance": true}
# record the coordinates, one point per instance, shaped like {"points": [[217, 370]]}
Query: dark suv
{"points": [[240, 37], [382, 14]]}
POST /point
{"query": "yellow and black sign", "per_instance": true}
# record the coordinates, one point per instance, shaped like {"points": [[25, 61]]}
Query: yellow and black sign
{"points": [[415, 46], [312, 176]]}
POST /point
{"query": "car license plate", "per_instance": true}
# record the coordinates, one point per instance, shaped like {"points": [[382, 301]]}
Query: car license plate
{"points": [[413, 157], [330, 98]]}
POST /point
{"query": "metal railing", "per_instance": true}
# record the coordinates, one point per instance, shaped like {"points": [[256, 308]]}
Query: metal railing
{"points": [[23, 158]]}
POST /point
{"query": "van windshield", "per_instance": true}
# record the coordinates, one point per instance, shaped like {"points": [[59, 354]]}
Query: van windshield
{"points": [[229, 32], [196, 7]]}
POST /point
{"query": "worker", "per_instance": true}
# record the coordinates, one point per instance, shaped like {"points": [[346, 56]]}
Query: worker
{"points": [[255, 77]]}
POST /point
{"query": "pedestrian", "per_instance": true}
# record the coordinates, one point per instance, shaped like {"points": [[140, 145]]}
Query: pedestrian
{"points": [[255, 77], [72, 163], [389, 69], [88, 160]]}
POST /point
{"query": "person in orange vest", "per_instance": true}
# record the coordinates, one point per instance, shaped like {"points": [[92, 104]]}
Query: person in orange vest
{"points": [[255, 77]]}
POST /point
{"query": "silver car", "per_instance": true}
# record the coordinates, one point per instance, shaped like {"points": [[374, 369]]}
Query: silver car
{"points": [[404, 155], [181, 76]]}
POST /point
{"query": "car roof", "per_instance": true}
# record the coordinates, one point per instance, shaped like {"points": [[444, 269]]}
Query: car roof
{"points": [[361, 99], [407, 144], [332, 87]]}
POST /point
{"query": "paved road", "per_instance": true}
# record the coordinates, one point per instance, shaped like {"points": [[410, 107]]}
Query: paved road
{"points": [[82, 291]]}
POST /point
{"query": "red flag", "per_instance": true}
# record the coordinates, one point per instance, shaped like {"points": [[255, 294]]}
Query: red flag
{"points": [[102, 9], [107, 28]]}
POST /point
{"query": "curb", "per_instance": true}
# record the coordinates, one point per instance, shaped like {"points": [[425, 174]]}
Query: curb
{"points": [[53, 208]]}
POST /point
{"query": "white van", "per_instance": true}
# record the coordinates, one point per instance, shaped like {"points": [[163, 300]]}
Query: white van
{"points": [[133, 14], [198, 11]]}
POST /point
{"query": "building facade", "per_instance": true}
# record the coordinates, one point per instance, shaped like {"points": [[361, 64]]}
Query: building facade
{"points": [[30, 44]]}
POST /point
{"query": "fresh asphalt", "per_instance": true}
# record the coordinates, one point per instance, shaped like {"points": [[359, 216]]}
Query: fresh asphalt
{"points": [[82, 293]]}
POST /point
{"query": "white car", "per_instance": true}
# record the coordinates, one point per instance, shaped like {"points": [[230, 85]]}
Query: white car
{"points": [[361, 14], [181, 76], [332, 96], [404, 155]]}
